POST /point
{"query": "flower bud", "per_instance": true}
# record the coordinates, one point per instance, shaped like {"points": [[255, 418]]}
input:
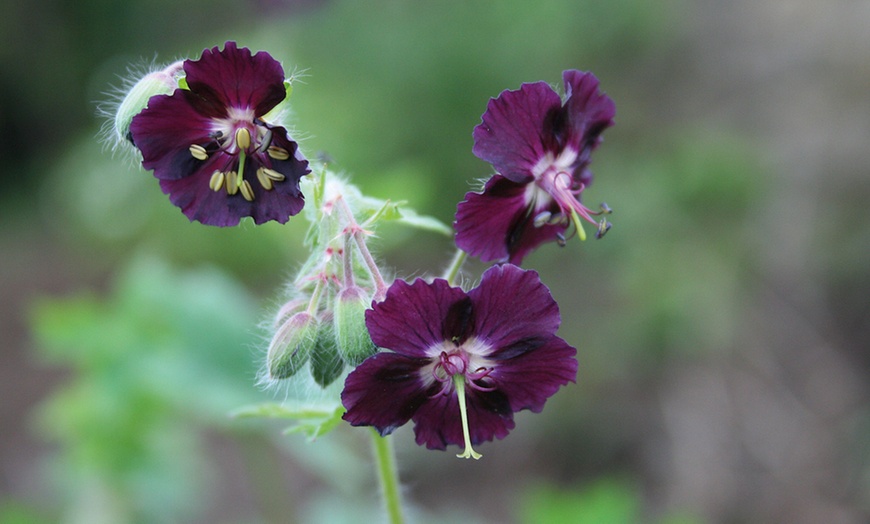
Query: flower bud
{"points": [[291, 346], [326, 363], [156, 83], [351, 334]]}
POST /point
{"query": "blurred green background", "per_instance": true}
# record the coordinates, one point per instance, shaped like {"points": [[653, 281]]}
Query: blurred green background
{"points": [[722, 326]]}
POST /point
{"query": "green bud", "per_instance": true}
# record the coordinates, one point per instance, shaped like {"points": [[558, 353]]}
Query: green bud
{"points": [[351, 334], [291, 346], [156, 83], [326, 363]]}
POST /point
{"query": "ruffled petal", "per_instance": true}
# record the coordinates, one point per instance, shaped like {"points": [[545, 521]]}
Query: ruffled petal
{"points": [[588, 112], [235, 78], [532, 376], [415, 317], [515, 129], [164, 132], [385, 391], [216, 208], [438, 423], [498, 225], [513, 309]]}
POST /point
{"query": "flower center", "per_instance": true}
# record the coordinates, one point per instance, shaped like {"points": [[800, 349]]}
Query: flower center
{"points": [[458, 367], [554, 178], [239, 136]]}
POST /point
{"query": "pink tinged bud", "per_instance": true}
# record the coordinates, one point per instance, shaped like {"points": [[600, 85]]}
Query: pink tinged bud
{"points": [[354, 342], [292, 345]]}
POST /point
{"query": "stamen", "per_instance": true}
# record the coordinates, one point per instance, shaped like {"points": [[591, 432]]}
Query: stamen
{"points": [[198, 152], [232, 182], [278, 153], [217, 181], [265, 142], [247, 191], [274, 175], [459, 382], [542, 218], [605, 209], [559, 219], [265, 181], [243, 138], [603, 227], [560, 239]]}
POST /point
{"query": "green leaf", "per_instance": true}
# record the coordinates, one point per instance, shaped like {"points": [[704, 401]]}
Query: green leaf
{"points": [[410, 217], [313, 422]]}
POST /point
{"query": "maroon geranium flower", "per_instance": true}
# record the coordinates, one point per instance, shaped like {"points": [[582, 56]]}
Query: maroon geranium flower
{"points": [[540, 147], [211, 148], [461, 363]]}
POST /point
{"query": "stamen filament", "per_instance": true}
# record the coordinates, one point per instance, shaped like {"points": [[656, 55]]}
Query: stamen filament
{"points": [[459, 382]]}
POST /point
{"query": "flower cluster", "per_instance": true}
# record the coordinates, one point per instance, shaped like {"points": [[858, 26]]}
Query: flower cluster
{"points": [[457, 363]]}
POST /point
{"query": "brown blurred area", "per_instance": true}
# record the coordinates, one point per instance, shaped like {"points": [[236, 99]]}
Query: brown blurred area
{"points": [[770, 423]]}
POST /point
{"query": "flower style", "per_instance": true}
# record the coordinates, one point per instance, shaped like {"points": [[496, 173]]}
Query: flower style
{"points": [[461, 363], [540, 148], [211, 147]]}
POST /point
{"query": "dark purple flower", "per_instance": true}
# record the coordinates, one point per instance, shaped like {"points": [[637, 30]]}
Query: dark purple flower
{"points": [[212, 150], [540, 147], [461, 363]]}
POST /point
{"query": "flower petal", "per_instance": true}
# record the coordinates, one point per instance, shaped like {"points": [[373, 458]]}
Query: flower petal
{"points": [[515, 130], [235, 78], [164, 132], [513, 309], [415, 317], [588, 111], [216, 208], [531, 377], [384, 391], [438, 423], [498, 225]]}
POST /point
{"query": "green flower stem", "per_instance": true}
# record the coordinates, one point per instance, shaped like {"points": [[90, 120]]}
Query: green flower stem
{"points": [[359, 237], [388, 476], [455, 265], [347, 262]]}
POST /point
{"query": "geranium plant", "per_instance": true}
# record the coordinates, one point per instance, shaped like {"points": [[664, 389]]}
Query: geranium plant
{"points": [[458, 362]]}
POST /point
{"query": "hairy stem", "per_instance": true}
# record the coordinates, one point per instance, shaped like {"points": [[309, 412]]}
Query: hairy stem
{"points": [[388, 476], [359, 237], [452, 270]]}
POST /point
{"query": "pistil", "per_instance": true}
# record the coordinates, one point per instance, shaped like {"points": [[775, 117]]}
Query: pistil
{"points": [[459, 382], [243, 142]]}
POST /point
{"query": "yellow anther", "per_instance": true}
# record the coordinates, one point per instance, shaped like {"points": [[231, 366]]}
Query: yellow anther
{"points": [[278, 153], [274, 175], [247, 191], [198, 152], [232, 183], [217, 181], [243, 138], [265, 181]]}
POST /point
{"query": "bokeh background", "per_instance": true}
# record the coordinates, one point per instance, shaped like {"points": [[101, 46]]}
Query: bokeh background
{"points": [[723, 325]]}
